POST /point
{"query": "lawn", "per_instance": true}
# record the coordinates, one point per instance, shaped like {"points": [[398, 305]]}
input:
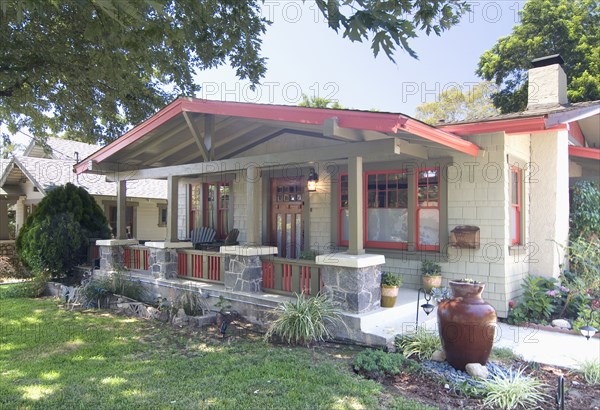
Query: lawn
{"points": [[52, 358]]}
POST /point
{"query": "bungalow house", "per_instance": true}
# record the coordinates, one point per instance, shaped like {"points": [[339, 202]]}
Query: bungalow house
{"points": [[366, 191], [26, 179]]}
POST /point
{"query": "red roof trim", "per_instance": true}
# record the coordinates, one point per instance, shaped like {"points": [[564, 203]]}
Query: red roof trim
{"points": [[512, 126], [360, 120], [575, 131], [582, 152]]}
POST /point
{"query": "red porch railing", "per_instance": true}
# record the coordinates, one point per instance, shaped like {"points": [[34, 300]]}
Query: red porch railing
{"points": [[137, 257], [200, 265], [287, 276]]}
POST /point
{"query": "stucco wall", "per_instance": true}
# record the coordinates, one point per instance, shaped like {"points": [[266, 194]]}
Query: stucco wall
{"points": [[549, 201]]}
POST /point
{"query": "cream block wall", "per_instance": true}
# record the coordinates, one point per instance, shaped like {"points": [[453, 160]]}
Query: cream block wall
{"points": [[550, 201], [320, 210], [147, 220]]}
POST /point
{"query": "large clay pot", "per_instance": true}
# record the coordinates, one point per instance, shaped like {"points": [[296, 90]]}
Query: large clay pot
{"points": [[467, 325]]}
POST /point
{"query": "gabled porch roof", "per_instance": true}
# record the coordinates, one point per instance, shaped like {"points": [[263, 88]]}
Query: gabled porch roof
{"points": [[191, 131]]}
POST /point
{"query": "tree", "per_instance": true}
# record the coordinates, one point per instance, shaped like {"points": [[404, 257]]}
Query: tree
{"points": [[454, 104], [319, 102], [570, 28], [56, 236], [91, 68]]}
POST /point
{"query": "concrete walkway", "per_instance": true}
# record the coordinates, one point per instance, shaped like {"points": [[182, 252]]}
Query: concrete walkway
{"points": [[548, 347]]}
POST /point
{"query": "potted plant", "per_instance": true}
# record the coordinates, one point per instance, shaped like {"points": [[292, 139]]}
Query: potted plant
{"points": [[466, 324], [432, 275], [389, 288]]}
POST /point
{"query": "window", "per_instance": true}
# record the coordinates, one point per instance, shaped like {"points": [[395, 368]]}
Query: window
{"points": [[162, 215], [387, 209], [209, 206], [399, 208], [515, 205]]}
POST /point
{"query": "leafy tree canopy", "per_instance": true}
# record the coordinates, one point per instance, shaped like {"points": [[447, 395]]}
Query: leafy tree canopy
{"points": [[91, 68], [456, 104], [570, 28]]}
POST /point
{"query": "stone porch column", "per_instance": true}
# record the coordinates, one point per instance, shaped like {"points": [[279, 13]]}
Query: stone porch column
{"points": [[243, 267], [352, 281], [163, 260], [112, 253]]}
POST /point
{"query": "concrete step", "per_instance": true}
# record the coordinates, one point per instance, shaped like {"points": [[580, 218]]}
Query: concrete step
{"points": [[380, 326]]}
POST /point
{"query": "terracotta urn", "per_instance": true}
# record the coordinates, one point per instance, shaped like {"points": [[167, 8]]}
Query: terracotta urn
{"points": [[467, 325], [389, 294]]}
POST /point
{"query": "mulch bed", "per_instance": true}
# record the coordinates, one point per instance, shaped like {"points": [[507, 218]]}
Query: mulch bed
{"points": [[427, 390]]}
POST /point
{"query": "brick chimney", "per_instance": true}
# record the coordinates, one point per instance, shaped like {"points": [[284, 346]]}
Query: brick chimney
{"points": [[547, 83]]}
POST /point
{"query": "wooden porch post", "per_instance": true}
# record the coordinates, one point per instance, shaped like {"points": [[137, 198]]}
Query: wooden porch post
{"points": [[4, 220], [172, 207], [121, 209], [355, 206], [252, 205]]}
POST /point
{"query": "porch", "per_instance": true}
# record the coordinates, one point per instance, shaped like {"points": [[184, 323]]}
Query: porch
{"points": [[280, 279]]}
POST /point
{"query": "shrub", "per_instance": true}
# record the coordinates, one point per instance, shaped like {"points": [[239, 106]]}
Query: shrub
{"points": [[584, 218], [305, 321], [378, 364], [513, 390], [97, 291], [590, 370], [192, 303], [421, 344], [56, 236], [537, 304], [31, 289]]}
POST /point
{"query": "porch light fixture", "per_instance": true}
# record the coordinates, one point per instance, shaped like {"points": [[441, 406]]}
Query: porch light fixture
{"points": [[588, 330], [427, 307], [311, 182]]}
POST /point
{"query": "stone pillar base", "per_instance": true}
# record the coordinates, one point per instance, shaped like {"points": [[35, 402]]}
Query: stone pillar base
{"points": [[243, 273], [243, 267], [112, 253], [352, 281]]}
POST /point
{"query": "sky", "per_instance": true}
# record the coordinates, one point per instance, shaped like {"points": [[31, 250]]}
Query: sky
{"points": [[305, 56]]}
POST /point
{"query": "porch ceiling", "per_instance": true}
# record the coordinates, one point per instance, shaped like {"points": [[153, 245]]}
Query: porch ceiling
{"points": [[190, 131]]}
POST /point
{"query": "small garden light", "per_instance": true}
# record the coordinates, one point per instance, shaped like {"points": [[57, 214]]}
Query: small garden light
{"points": [[588, 330], [427, 307]]}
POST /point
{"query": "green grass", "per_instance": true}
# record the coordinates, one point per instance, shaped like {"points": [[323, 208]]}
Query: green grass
{"points": [[55, 359]]}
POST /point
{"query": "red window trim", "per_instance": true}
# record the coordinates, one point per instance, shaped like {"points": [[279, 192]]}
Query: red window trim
{"points": [[377, 244], [418, 208], [516, 207]]}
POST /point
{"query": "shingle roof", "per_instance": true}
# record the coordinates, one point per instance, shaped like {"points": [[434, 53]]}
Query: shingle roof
{"points": [[70, 150], [537, 112], [47, 174]]}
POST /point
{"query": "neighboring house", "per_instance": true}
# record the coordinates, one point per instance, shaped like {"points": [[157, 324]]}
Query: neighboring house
{"points": [[27, 178], [390, 192]]}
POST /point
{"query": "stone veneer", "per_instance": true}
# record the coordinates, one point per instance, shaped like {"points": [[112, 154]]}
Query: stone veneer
{"points": [[163, 263], [112, 258], [356, 290], [243, 273]]}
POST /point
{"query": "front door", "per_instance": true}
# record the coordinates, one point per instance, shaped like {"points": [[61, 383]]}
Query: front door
{"points": [[287, 221]]}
